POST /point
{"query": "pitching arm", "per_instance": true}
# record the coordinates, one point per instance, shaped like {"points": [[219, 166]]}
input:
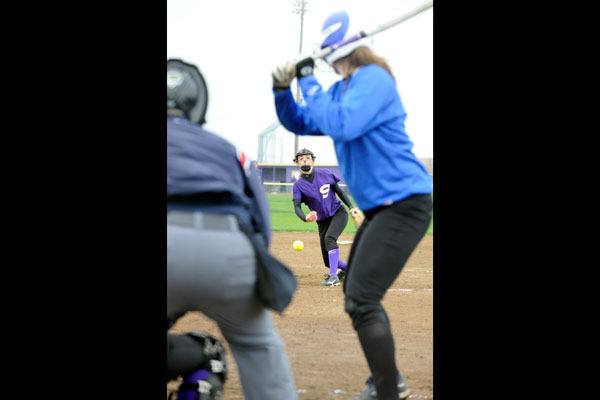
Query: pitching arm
{"points": [[355, 213], [343, 196]]}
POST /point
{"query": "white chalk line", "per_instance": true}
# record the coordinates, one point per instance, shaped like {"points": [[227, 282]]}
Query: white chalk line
{"points": [[400, 290]]}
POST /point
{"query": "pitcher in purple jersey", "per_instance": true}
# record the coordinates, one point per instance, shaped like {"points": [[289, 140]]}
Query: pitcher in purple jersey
{"points": [[317, 188]]}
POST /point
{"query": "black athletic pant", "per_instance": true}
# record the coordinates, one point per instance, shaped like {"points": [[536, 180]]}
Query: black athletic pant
{"points": [[330, 230], [381, 247]]}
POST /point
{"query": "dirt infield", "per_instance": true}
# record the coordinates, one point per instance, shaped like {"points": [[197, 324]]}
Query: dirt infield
{"points": [[322, 346]]}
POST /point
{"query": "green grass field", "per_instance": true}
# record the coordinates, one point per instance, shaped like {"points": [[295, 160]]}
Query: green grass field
{"points": [[284, 218]]}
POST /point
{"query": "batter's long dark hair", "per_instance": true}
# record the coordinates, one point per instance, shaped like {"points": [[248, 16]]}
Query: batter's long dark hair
{"points": [[364, 56]]}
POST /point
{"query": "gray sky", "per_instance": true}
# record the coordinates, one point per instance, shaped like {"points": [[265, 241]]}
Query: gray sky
{"points": [[236, 44]]}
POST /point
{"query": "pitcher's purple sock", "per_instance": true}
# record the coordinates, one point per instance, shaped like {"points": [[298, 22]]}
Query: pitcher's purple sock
{"points": [[342, 264], [334, 256]]}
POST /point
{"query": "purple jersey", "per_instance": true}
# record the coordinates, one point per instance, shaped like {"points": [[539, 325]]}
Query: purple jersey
{"points": [[317, 195]]}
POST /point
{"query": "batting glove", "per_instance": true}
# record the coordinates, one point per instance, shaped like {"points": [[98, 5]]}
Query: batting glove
{"points": [[305, 67], [283, 76]]}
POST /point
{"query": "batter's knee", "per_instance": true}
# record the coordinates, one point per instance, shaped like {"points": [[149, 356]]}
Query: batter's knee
{"points": [[364, 312]]}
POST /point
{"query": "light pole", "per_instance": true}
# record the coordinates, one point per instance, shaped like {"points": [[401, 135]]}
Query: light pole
{"points": [[299, 8]]}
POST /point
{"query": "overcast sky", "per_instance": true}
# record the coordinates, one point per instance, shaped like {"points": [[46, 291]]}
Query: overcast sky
{"points": [[237, 43]]}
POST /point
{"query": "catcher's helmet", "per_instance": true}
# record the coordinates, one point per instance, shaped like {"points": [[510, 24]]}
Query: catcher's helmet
{"points": [[186, 90], [304, 152]]}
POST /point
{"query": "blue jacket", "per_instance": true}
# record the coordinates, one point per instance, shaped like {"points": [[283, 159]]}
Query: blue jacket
{"points": [[204, 165], [365, 118]]}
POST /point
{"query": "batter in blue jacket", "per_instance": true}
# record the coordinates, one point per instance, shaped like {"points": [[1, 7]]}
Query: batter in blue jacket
{"points": [[364, 116]]}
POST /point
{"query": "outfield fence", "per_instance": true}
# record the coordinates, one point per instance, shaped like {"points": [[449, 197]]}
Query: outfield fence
{"points": [[280, 178]]}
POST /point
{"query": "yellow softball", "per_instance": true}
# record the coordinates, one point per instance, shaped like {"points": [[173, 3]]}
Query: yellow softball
{"points": [[298, 245]]}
